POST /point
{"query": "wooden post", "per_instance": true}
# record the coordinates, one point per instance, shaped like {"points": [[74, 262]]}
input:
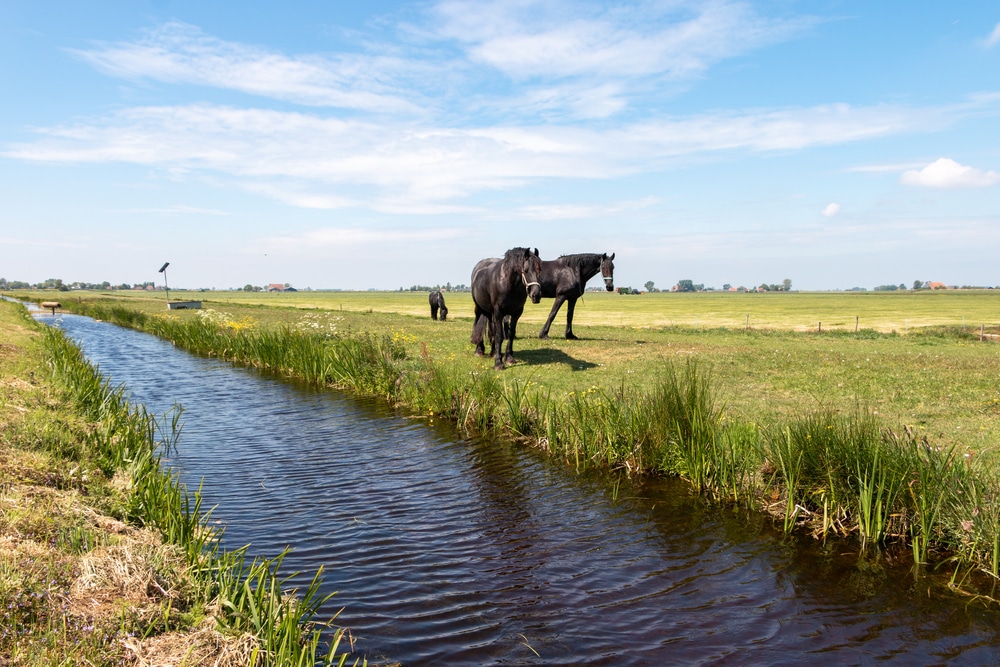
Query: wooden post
{"points": [[856, 318], [820, 330], [747, 325], [982, 331]]}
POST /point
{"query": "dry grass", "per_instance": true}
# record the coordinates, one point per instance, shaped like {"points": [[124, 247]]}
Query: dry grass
{"points": [[77, 584]]}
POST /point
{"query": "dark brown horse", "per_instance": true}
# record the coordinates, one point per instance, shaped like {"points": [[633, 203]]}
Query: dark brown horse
{"points": [[436, 299], [565, 279], [499, 289]]}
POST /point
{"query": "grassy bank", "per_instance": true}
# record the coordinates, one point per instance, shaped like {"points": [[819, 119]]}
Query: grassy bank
{"points": [[105, 559], [879, 438]]}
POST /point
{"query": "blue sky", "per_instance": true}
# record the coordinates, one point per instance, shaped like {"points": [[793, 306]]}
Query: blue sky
{"points": [[383, 144]]}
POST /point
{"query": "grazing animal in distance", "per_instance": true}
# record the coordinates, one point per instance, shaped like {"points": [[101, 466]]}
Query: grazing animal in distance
{"points": [[499, 289], [436, 299], [565, 280]]}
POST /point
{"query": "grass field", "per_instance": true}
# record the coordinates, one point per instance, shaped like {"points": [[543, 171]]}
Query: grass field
{"points": [[884, 434], [933, 373], [795, 311]]}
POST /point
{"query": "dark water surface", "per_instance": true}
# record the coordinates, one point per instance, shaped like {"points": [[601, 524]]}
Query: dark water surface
{"points": [[447, 551]]}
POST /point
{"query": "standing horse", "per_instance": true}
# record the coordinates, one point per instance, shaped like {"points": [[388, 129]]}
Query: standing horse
{"points": [[499, 289], [565, 279], [436, 299]]}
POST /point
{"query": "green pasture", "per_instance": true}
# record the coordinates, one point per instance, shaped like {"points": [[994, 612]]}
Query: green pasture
{"points": [[886, 312], [860, 431], [916, 358]]}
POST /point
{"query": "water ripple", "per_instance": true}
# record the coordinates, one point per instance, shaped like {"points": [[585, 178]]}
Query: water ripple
{"points": [[449, 551]]}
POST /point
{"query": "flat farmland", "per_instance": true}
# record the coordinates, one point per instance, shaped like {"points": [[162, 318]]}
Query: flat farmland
{"points": [[917, 358], [885, 312]]}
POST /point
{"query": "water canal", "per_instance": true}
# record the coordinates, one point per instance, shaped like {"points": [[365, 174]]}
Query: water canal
{"points": [[451, 551]]}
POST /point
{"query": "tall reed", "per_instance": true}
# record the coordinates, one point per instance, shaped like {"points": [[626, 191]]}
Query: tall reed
{"points": [[837, 473]]}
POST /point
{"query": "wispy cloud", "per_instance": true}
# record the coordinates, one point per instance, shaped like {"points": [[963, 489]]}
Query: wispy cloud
{"points": [[580, 211], [831, 210], [946, 173], [315, 162], [340, 238], [534, 39], [174, 210], [994, 37], [182, 54]]}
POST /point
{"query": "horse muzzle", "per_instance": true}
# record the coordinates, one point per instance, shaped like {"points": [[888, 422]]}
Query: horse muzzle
{"points": [[534, 292]]}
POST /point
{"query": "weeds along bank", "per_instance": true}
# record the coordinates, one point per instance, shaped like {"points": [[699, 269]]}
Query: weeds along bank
{"points": [[105, 558], [848, 475]]}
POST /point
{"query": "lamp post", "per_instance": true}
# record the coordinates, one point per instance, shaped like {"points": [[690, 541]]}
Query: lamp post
{"points": [[163, 270]]}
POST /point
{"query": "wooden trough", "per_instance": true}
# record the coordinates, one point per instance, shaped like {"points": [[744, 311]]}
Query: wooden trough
{"points": [[183, 305]]}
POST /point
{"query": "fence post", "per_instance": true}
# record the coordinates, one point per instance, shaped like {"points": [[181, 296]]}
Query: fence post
{"points": [[856, 318], [820, 329]]}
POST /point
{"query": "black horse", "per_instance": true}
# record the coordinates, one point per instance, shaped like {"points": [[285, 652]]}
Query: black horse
{"points": [[499, 289], [565, 279], [436, 300]]}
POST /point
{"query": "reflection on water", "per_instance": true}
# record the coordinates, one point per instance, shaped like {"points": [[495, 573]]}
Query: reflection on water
{"points": [[459, 552]]}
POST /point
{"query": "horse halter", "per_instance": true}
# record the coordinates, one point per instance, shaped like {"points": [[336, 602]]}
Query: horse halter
{"points": [[526, 283]]}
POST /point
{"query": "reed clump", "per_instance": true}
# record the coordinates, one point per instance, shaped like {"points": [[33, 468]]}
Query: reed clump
{"points": [[105, 557], [834, 473]]}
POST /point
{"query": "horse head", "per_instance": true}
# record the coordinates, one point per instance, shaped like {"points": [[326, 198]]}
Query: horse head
{"points": [[532, 271], [527, 264], [608, 271]]}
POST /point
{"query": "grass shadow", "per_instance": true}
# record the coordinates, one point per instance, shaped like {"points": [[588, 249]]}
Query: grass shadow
{"points": [[552, 356]]}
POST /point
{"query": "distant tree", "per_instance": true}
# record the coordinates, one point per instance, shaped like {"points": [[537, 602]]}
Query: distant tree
{"points": [[902, 287], [726, 286], [786, 285], [918, 284], [764, 288], [650, 286], [248, 287], [685, 285]]}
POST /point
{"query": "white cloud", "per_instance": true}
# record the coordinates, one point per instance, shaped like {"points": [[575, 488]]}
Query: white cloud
{"points": [[994, 37], [314, 162], [550, 38], [832, 210], [180, 53], [323, 239], [946, 173]]}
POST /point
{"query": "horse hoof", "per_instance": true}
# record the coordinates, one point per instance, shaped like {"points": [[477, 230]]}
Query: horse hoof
{"points": [[479, 353], [570, 336], [543, 336], [499, 366]]}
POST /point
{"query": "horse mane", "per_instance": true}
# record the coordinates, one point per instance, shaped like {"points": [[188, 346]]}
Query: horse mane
{"points": [[582, 260]]}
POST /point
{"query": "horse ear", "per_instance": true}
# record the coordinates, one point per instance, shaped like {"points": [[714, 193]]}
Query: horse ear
{"points": [[612, 256], [536, 252]]}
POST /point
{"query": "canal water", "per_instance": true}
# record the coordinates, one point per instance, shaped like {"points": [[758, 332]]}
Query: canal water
{"points": [[450, 551]]}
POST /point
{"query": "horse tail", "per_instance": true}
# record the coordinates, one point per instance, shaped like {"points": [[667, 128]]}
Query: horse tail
{"points": [[477, 328]]}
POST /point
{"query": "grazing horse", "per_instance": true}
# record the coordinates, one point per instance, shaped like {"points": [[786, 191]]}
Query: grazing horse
{"points": [[499, 289], [437, 303], [565, 279]]}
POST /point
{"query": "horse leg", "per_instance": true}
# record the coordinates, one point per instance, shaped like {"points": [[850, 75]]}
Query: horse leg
{"points": [[509, 357], [497, 340], [492, 336], [434, 312], [570, 307], [544, 333]]}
